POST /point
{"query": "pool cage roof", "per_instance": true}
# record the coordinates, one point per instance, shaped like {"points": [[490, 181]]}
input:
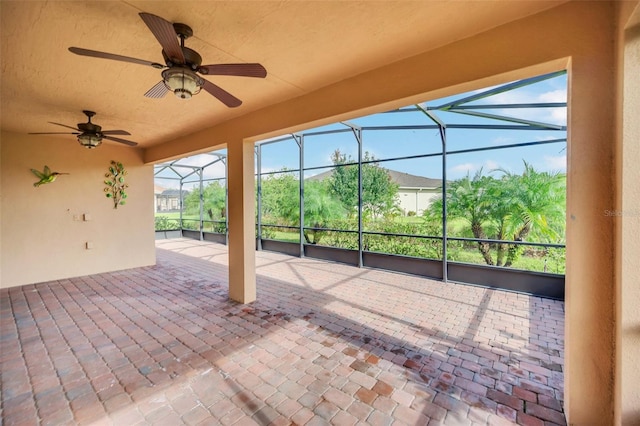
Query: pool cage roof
{"points": [[464, 111]]}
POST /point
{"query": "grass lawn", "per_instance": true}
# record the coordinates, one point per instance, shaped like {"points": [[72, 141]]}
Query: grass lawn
{"points": [[176, 215]]}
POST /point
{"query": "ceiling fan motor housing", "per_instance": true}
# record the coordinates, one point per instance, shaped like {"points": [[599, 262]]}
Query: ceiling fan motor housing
{"points": [[192, 59]]}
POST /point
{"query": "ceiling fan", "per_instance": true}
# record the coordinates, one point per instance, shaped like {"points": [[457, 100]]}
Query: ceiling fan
{"points": [[90, 135], [182, 64]]}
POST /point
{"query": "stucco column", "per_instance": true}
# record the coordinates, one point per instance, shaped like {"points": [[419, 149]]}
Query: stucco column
{"points": [[627, 219], [241, 200], [589, 292]]}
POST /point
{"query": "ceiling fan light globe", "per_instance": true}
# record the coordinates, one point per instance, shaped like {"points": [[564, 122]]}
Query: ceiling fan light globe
{"points": [[182, 82], [182, 94], [89, 141]]}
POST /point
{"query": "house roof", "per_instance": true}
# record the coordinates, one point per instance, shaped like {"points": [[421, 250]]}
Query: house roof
{"points": [[404, 180], [173, 192]]}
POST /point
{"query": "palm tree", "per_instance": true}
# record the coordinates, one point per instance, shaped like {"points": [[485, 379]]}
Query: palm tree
{"points": [[469, 199], [537, 205], [510, 208]]}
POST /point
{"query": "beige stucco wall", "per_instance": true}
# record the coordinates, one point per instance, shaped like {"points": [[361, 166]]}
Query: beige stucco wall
{"points": [[39, 237], [626, 216]]}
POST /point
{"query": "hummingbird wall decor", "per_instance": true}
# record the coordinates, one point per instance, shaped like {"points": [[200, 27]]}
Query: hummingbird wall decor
{"points": [[46, 176]]}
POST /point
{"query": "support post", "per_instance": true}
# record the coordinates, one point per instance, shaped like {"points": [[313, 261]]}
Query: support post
{"points": [[258, 150], [180, 197], [241, 217], [226, 202], [201, 206], [357, 132], [300, 141], [443, 137], [442, 127]]}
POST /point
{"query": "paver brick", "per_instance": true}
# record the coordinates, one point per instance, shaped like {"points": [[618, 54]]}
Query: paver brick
{"points": [[365, 395], [164, 344], [326, 410], [506, 412], [545, 413], [527, 420], [382, 388], [362, 379], [410, 416], [343, 418], [549, 402], [341, 399], [505, 399], [470, 386]]}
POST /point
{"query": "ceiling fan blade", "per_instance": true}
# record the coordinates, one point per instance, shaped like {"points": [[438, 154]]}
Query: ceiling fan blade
{"points": [[53, 133], [115, 132], [166, 35], [157, 91], [241, 70], [124, 141], [223, 96], [64, 125], [104, 55]]}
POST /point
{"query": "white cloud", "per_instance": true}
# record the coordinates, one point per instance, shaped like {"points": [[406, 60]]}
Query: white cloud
{"points": [[464, 168], [559, 95], [558, 115], [558, 163], [490, 165]]}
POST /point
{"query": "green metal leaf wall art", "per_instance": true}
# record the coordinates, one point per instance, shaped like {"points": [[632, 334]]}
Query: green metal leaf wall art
{"points": [[116, 187]]}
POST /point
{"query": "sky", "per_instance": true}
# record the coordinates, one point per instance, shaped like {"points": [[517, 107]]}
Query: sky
{"points": [[389, 144]]}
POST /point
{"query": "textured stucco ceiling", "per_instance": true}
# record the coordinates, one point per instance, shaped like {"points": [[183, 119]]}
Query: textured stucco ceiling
{"points": [[304, 46]]}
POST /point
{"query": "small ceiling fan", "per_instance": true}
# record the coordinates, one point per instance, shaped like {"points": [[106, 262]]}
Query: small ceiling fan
{"points": [[182, 64], [90, 135]]}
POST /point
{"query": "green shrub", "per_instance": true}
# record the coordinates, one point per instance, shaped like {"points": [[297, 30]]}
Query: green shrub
{"points": [[163, 223]]}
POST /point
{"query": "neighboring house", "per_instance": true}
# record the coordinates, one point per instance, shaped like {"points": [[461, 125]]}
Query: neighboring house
{"points": [[157, 192], [415, 193], [168, 199]]}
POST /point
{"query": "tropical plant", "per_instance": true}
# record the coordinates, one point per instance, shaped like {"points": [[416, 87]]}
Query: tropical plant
{"points": [[214, 197], [379, 193], [280, 198], [320, 210], [469, 199], [281, 204], [164, 223], [537, 207], [510, 208]]}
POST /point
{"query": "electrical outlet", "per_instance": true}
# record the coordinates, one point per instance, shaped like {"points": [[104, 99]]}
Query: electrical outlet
{"points": [[88, 245], [86, 217]]}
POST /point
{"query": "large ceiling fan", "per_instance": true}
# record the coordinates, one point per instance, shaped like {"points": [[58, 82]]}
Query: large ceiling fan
{"points": [[90, 135], [182, 64]]}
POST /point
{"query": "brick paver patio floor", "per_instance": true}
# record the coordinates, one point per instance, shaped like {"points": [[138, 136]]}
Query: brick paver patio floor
{"points": [[324, 344]]}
